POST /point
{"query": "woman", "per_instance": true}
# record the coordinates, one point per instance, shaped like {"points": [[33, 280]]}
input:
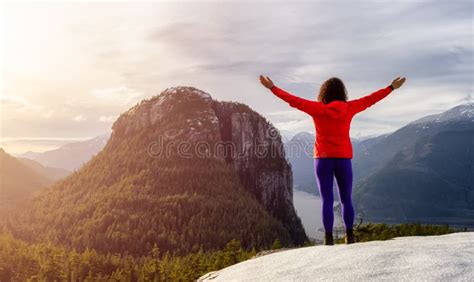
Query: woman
{"points": [[332, 115]]}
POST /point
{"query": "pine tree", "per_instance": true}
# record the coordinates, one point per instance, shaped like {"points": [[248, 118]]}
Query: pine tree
{"points": [[276, 244]]}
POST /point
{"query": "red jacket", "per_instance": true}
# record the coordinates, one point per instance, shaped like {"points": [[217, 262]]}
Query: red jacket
{"points": [[332, 121]]}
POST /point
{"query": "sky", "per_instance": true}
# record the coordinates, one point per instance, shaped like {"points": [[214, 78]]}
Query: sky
{"points": [[69, 69]]}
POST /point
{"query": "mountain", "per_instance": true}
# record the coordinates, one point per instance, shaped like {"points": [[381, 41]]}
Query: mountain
{"points": [[299, 151], [286, 135], [70, 156], [383, 149], [361, 146], [19, 181], [422, 172], [51, 173], [415, 258], [31, 155], [180, 170]]}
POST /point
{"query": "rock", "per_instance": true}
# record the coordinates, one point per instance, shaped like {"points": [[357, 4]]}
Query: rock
{"points": [[247, 140], [447, 257]]}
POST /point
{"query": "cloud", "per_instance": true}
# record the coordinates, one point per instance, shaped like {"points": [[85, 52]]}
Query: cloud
{"points": [[107, 118], [288, 114], [79, 118], [48, 114], [122, 53], [19, 105], [12, 101], [121, 94]]}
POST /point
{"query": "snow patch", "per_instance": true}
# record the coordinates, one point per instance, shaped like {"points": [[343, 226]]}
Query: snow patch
{"points": [[468, 112], [185, 89], [161, 99], [214, 120], [202, 94], [171, 90]]}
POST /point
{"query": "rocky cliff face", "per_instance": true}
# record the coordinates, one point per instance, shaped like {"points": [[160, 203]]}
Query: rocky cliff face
{"points": [[258, 156], [184, 112], [229, 131]]}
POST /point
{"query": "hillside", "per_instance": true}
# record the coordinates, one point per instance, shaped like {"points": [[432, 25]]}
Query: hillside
{"points": [[19, 181], [154, 184], [415, 258], [428, 173], [52, 173]]}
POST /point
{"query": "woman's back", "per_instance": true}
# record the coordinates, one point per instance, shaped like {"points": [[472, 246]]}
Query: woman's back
{"points": [[332, 120], [332, 131]]}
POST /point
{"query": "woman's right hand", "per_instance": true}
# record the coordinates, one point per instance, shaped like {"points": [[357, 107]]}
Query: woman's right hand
{"points": [[397, 82], [266, 81]]}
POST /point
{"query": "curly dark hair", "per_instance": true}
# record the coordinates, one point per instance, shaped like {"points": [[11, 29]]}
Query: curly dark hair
{"points": [[331, 90]]}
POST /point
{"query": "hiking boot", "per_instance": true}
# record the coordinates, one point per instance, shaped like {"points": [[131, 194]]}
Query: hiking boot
{"points": [[328, 239], [350, 238]]}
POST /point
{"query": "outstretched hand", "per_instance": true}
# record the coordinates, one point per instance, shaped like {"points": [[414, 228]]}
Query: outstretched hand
{"points": [[397, 82], [266, 81]]}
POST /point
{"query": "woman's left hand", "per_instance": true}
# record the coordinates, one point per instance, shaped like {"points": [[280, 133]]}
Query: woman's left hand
{"points": [[266, 81]]}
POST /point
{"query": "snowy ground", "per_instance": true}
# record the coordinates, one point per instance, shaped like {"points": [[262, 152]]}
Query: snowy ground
{"points": [[416, 258]]}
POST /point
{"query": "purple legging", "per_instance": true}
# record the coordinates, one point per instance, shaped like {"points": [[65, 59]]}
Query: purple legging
{"points": [[325, 169]]}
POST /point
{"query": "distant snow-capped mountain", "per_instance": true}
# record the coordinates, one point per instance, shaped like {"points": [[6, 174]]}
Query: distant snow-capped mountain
{"points": [[421, 172], [460, 112]]}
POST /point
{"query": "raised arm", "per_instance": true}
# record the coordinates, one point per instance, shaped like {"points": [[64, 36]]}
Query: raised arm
{"points": [[363, 103], [310, 107]]}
